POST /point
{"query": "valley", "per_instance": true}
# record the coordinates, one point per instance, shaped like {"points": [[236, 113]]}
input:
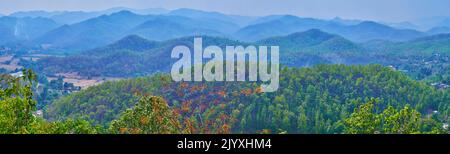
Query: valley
{"points": [[10, 63]]}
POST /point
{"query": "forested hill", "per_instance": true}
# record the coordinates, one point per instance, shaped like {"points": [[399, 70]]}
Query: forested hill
{"points": [[131, 56], [310, 100], [134, 56], [313, 40]]}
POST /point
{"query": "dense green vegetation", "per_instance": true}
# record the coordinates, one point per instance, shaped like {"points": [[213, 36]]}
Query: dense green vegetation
{"points": [[102, 103], [17, 108], [366, 120], [310, 100], [433, 69]]}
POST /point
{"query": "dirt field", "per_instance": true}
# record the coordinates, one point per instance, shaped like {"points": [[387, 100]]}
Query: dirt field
{"points": [[35, 57], [72, 77], [4, 59], [13, 65], [80, 81]]}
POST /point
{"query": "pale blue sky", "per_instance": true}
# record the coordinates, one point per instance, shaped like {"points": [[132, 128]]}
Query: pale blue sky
{"points": [[381, 10]]}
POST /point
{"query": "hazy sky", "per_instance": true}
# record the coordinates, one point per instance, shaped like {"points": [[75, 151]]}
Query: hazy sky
{"points": [[381, 10]]}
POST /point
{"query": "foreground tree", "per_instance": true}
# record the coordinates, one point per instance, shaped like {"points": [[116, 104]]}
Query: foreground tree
{"points": [[17, 107], [367, 120], [151, 115], [16, 102]]}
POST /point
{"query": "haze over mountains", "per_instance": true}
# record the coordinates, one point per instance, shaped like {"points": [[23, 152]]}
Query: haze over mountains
{"points": [[25, 28], [71, 17], [71, 31]]}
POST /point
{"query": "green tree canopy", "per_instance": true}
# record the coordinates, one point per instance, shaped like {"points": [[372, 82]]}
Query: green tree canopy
{"points": [[151, 115], [367, 120]]}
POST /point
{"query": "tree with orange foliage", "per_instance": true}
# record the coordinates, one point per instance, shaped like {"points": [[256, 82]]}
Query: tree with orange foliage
{"points": [[221, 93], [247, 92], [151, 115]]}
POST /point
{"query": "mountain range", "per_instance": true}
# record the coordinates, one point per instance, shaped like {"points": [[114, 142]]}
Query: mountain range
{"points": [[72, 17], [128, 57], [312, 40], [439, 30], [88, 30], [14, 29], [361, 32], [135, 56], [92, 32]]}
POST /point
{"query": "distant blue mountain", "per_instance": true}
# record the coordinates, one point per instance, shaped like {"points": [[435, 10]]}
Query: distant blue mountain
{"points": [[439, 43], [93, 32], [148, 11], [203, 23], [364, 31], [129, 43], [430, 22], [277, 26], [196, 14], [34, 14], [17, 29], [88, 30], [368, 30], [72, 17], [265, 19], [403, 25], [438, 30], [169, 27], [444, 23], [106, 29], [312, 40], [62, 17], [345, 21]]}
